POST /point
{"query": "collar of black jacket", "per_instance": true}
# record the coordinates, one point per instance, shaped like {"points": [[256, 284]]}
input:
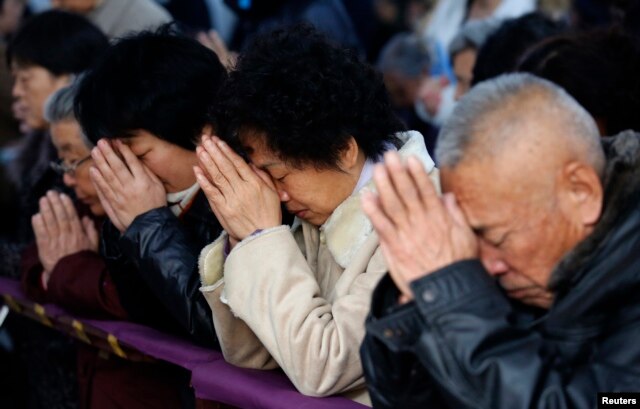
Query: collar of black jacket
{"points": [[620, 220]]}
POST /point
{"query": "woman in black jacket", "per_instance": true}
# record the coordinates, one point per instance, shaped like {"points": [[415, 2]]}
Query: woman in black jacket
{"points": [[144, 106]]}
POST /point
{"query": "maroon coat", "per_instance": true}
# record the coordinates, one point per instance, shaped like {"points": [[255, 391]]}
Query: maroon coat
{"points": [[81, 284]]}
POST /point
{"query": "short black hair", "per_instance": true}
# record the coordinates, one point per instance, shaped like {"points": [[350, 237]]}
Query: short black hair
{"points": [[307, 96], [158, 81], [501, 51], [60, 42], [599, 69]]}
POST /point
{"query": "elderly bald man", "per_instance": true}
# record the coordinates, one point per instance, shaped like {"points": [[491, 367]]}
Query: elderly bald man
{"points": [[520, 286]]}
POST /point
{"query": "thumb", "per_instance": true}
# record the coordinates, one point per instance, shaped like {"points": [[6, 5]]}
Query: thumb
{"points": [[264, 176], [454, 210], [91, 231]]}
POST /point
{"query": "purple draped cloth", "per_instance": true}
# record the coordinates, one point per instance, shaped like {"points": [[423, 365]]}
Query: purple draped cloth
{"points": [[212, 378]]}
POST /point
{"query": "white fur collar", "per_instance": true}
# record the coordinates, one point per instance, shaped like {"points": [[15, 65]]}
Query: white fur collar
{"points": [[348, 227]]}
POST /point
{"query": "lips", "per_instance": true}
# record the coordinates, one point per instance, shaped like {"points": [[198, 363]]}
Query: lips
{"points": [[299, 212]]}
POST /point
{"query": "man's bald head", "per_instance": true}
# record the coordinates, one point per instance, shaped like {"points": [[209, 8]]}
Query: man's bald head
{"points": [[524, 113]]}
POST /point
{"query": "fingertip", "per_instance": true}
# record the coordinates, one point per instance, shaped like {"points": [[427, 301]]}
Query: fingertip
{"points": [[414, 162], [379, 172]]}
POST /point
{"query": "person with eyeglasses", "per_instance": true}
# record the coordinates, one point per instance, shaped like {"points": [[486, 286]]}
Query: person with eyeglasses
{"points": [[37, 73], [64, 267]]}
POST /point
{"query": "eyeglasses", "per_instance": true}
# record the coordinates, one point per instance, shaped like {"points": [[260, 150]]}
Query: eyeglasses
{"points": [[61, 168]]}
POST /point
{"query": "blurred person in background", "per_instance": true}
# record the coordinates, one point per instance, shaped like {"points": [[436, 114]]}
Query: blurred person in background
{"points": [[12, 13], [259, 17], [502, 50], [44, 55], [404, 63], [557, 10], [191, 16], [448, 17], [464, 50], [117, 18], [599, 69], [393, 17]]}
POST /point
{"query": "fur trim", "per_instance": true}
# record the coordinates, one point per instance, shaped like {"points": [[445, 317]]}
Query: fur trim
{"points": [[348, 227], [622, 190], [210, 262]]}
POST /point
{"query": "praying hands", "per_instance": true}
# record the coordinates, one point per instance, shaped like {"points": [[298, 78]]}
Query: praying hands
{"points": [[419, 232], [125, 186], [60, 232], [243, 198]]}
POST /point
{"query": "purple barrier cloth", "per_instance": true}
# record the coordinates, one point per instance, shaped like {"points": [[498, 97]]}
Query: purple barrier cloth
{"points": [[221, 382], [212, 378]]}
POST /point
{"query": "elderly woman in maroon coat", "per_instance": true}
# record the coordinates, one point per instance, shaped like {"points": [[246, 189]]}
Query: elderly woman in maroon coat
{"points": [[63, 267]]}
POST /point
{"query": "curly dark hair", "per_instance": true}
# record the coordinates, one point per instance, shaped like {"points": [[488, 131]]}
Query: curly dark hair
{"points": [[307, 97]]}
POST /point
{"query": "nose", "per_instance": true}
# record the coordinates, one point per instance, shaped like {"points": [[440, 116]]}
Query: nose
{"points": [[492, 259], [17, 90], [284, 196], [69, 180]]}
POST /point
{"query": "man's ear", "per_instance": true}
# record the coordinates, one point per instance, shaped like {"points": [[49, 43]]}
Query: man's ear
{"points": [[584, 192]]}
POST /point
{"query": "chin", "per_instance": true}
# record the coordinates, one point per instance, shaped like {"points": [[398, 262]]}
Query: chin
{"points": [[97, 210], [316, 220]]}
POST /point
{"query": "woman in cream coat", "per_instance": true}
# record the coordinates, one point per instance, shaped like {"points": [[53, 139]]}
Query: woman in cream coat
{"points": [[296, 297]]}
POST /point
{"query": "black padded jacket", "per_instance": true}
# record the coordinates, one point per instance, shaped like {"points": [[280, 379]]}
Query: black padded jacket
{"points": [[154, 266], [462, 344]]}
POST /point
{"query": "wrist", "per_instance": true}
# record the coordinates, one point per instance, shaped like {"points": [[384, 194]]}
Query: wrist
{"points": [[231, 242]]}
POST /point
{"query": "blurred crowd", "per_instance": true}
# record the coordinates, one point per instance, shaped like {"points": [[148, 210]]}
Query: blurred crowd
{"points": [[411, 203]]}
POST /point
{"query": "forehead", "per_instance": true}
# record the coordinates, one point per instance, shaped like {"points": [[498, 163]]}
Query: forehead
{"points": [[254, 144], [140, 137], [66, 137], [487, 196]]}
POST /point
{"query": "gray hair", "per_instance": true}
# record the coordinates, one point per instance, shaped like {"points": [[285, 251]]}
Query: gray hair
{"points": [[473, 34], [59, 107], [470, 118], [404, 53]]}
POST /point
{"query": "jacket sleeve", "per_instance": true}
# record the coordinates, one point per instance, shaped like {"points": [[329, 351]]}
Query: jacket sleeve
{"points": [[395, 378], [79, 282], [270, 286], [238, 343], [167, 260], [481, 360]]}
